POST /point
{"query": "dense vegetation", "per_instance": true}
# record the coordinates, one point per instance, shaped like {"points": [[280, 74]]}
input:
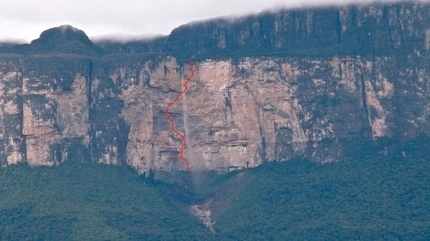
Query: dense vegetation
{"points": [[377, 198], [382, 193], [77, 201]]}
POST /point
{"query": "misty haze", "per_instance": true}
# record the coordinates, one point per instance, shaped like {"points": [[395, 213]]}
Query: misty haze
{"points": [[215, 120]]}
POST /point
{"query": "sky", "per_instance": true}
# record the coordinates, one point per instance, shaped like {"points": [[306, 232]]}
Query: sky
{"points": [[24, 20]]}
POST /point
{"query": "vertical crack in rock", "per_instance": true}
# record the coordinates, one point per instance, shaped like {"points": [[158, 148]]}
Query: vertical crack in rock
{"points": [[364, 99], [243, 110]]}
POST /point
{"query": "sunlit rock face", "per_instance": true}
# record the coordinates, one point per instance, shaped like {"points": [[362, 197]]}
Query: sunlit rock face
{"points": [[107, 103]]}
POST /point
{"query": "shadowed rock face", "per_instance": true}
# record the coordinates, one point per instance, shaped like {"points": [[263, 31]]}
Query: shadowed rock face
{"points": [[367, 79], [61, 35], [62, 39]]}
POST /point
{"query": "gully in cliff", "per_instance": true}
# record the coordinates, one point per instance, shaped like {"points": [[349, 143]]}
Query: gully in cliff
{"points": [[172, 122]]}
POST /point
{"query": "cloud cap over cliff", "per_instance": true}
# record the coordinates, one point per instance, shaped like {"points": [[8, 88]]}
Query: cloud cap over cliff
{"points": [[25, 19]]}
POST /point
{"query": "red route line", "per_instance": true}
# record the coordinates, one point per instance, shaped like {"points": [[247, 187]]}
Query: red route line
{"points": [[172, 122]]}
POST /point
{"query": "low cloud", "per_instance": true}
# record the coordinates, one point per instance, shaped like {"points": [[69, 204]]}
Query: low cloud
{"points": [[26, 19]]}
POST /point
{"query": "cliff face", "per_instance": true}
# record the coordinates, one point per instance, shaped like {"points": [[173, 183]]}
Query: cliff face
{"points": [[376, 29], [239, 110]]}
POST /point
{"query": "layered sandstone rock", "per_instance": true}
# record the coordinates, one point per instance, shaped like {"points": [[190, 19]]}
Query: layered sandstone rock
{"points": [[238, 111]]}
